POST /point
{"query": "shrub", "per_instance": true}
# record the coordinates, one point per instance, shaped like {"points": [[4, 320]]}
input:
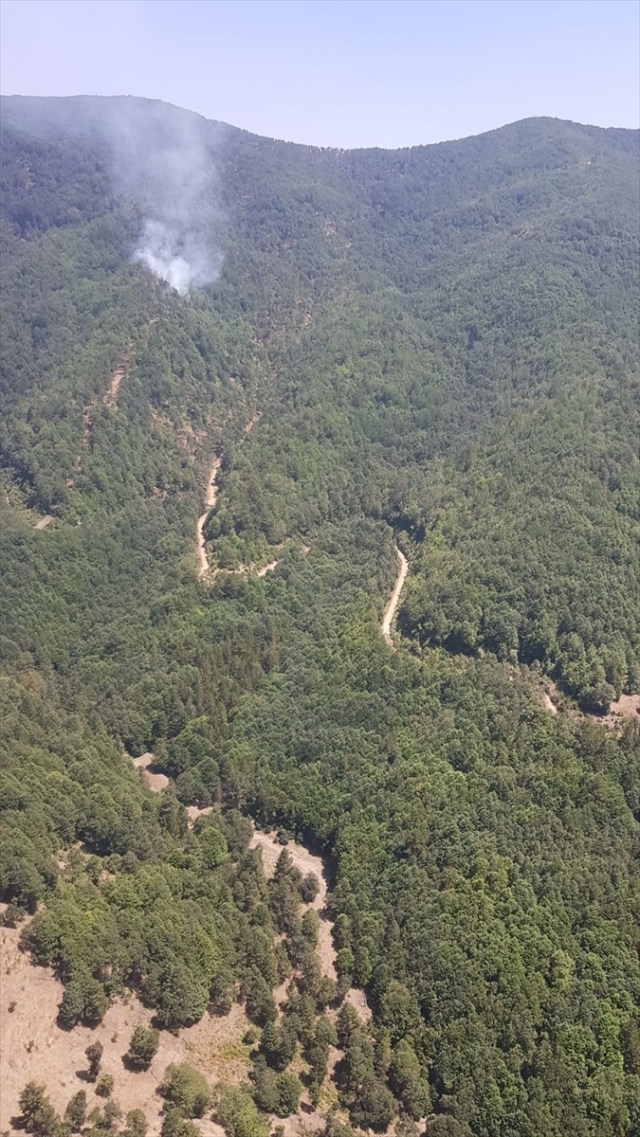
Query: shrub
{"points": [[105, 1085]]}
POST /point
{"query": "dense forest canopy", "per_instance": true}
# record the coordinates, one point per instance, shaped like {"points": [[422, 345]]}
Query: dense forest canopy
{"points": [[437, 348]]}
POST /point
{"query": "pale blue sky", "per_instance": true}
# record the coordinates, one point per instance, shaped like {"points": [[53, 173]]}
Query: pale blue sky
{"points": [[337, 72]]}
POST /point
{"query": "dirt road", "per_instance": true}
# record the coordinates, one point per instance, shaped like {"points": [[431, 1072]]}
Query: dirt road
{"points": [[209, 501], [306, 862], [394, 599]]}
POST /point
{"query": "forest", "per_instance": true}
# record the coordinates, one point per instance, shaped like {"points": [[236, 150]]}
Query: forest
{"points": [[438, 350]]}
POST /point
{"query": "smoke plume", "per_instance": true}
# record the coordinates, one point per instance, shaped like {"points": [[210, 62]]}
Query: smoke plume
{"points": [[176, 254], [165, 160]]}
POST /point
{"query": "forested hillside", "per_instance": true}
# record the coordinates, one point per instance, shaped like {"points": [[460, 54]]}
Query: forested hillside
{"points": [[436, 348]]}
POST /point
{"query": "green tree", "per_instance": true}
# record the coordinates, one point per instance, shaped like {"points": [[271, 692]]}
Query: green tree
{"points": [[348, 1025], [335, 1127], [105, 1085], [374, 1107], [630, 1039], [309, 888], [397, 1011], [237, 1112], [93, 1054], [288, 1091], [180, 993], [76, 1111], [187, 1089], [37, 1114], [317, 1054], [309, 926], [136, 1124], [111, 1114], [265, 1087], [142, 1048], [259, 1000], [406, 1082], [175, 1125]]}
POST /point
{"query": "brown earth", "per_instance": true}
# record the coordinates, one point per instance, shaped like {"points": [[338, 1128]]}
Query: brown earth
{"points": [[549, 704], [267, 568], [550, 698], [205, 572], [209, 501], [110, 398], [394, 599], [626, 707], [306, 862], [194, 812], [255, 417], [34, 1047], [310, 1120], [155, 782]]}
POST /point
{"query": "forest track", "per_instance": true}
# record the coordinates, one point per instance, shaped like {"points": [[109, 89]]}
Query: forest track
{"points": [[394, 599], [209, 501], [305, 862]]}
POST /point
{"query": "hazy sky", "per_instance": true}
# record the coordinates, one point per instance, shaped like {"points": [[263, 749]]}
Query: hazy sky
{"points": [[337, 72]]}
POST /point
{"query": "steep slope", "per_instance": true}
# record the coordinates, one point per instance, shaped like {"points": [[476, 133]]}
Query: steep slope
{"points": [[442, 345]]}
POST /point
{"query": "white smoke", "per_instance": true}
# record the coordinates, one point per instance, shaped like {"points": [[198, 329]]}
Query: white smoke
{"points": [[165, 162], [175, 255]]}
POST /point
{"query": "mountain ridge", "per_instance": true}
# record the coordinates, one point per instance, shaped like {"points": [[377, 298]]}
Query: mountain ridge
{"points": [[37, 103]]}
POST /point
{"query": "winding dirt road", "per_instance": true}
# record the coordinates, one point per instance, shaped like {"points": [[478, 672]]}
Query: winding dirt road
{"points": [[209, 501], [394, 599], [306, 862]]}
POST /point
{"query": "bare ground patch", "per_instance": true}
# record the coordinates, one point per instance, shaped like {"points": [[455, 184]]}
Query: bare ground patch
{"points": [[308, 862], [35, 1048], [110, 398], [626, 707], [209, 501], [155, 782]]}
